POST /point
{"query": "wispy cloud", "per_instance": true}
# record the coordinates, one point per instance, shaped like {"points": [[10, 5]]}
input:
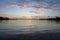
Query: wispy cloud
{"points": [[3, 13], [36, 8], [46, 4], [36, 5], [34, 12]]}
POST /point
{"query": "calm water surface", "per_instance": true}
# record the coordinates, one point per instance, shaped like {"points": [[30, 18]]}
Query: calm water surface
{"points": [[28, 26]]}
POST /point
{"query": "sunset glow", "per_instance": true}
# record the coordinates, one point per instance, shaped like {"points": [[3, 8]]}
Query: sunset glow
{"points": [[18, 8]]}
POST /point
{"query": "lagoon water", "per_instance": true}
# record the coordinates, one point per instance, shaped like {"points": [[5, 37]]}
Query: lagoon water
{"points": [[28, 26]]}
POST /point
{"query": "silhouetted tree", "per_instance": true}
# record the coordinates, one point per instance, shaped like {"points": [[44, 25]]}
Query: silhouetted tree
{"points": [[4, 18]]}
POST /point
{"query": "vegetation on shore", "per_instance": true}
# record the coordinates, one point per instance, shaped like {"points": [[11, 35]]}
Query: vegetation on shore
{"points": [[56, 18], [4, 18]]}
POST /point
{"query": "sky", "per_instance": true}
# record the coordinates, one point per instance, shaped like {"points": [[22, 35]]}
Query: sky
{"points": [[18, 8]]}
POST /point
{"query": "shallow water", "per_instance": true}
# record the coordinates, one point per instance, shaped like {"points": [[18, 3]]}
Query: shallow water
{"points": [[28, 26]]}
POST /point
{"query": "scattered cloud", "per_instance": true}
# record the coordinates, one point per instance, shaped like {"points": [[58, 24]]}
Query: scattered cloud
{"points": [[36, 5], [36, 8], [34, 12], [42, 4], [3, 13]]}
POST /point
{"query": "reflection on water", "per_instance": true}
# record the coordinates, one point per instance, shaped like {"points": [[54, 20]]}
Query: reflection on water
{"points": [[28, 26]]}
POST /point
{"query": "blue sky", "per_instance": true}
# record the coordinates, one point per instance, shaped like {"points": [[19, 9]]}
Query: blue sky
{"points": [[17, 8]]}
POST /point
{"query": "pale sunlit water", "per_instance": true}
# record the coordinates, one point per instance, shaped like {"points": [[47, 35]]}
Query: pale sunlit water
{"points": [[28, 26]]}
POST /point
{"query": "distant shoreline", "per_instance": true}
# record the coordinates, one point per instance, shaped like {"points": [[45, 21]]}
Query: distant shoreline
{"points": [[6, 18]]}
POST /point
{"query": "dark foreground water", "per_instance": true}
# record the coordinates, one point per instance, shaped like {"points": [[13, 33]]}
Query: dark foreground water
{"points": [[29, 30]]}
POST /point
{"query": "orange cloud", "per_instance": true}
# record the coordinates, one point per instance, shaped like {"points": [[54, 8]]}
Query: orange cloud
{"points": [[36, 8]]}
